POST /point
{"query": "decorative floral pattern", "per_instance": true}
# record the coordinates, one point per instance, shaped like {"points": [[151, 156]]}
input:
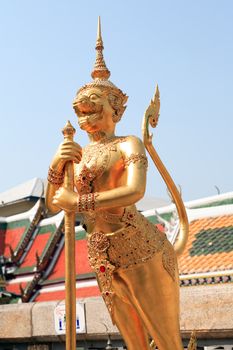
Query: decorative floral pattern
{"points": [[98, 244], [136, 243]]}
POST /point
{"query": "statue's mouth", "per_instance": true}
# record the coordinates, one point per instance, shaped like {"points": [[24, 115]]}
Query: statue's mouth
{"points": [[88, 119], [84, 107], [88, 113]]}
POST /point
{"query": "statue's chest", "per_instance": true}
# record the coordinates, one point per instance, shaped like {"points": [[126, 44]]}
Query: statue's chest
{"points": [[97, 161]]}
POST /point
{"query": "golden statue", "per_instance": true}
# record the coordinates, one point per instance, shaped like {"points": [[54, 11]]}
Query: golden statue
{"points": [[134, 262]]}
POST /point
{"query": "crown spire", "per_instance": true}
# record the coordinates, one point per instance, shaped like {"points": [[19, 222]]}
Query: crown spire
{"points": [[100, 70], [99, 36]]}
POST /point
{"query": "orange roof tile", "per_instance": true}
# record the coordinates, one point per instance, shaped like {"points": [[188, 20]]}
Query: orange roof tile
{"points": [[211, 253]]}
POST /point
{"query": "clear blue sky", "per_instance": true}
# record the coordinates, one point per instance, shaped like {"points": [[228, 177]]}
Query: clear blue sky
{"points": [[47, 53]]}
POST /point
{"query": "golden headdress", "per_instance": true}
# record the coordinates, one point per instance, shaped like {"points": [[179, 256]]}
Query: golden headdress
{"points": [[100, 75]]}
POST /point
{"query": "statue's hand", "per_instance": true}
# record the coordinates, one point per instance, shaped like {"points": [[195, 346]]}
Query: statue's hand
{"points": [[67, 151], [65, 199]]}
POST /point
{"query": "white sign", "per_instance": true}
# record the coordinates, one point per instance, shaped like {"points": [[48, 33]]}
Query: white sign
{"points": [[60, 318]]}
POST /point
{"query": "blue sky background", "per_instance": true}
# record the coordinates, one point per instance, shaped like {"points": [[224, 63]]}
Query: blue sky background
{"points": [[47, 53]]}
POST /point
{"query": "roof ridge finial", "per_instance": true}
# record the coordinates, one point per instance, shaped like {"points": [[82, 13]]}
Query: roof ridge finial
{"points": [[100, 70]]}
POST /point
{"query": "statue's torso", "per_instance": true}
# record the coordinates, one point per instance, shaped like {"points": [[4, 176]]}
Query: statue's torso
{"points": [[102, 169], [119, 238]]}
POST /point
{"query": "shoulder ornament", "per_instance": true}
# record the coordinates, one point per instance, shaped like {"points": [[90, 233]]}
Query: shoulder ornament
{"points": [[136, 158]]}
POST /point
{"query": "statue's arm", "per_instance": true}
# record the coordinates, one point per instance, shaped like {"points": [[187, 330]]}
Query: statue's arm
{"points": [[67, 151], [129, 190], [50, 192], [133, 189]]}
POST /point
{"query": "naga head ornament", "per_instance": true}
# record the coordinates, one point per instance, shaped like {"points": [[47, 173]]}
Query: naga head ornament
{"points": [[100, 75]]}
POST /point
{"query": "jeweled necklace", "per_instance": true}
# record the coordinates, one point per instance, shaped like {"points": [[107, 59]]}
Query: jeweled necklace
{"points": [[99, 155]]}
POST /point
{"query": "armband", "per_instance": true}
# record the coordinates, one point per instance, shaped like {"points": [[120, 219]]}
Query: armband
{"points": [[136, 158]]}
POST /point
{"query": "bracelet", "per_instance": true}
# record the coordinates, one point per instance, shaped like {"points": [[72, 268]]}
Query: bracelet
{"points": [[55, 177], [87, 202]]}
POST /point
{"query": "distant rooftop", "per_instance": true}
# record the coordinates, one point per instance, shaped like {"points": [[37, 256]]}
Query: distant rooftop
{"points": [[31, 188], [21, 198], [147, 203]]}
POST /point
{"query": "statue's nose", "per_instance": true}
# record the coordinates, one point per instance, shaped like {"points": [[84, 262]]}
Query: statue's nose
{"points": [[84, 104], [83, 100]]}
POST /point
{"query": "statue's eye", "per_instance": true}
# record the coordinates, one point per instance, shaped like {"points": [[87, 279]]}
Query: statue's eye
{"points": [[94, 97]]}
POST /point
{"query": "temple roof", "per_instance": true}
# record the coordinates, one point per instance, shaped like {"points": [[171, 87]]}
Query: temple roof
{"points": [[208, 255]]}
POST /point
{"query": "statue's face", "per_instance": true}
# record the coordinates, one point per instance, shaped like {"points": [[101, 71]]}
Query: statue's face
{"points": [[93, 109]]}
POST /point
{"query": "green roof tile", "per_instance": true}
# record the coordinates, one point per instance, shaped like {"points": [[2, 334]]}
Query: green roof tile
{"points": [[215, 204], [153, 219], [213, 241], [80, 235]]}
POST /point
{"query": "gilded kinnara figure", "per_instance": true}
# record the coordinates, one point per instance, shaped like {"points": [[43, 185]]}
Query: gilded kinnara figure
{"points": [[135, 264]]}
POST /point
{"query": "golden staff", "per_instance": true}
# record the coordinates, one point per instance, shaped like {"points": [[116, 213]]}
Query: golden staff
{"points": [[151, 117], [70, 273]]}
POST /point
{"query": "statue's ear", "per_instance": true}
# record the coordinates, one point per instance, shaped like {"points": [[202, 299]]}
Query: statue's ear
{"points": [[118, 114], [115, 117]]}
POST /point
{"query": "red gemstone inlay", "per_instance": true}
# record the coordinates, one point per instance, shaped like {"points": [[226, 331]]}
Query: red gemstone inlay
{"points": [[102, 268], [107, 293]]}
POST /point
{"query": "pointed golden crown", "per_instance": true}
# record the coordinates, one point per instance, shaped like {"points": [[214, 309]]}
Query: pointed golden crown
{"points": [[100, 70], [100, 73]]}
